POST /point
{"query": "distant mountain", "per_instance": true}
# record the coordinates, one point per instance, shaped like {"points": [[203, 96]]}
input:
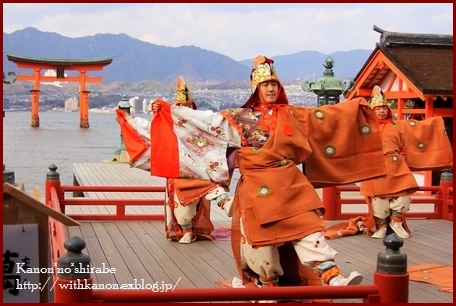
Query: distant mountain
{"points": [[136, 61], [309, 64]]}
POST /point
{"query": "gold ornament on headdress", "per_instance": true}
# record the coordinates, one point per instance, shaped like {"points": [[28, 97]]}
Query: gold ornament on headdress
{"points": [[262, 70], [378, 97], [182, 95]]}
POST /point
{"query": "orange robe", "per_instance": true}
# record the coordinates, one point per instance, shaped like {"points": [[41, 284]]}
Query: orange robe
{"points": [[408, 145], [276, 201]]}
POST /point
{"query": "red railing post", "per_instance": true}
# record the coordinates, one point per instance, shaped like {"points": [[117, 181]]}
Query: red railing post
{"points": [[329, 200], [446, 181], [53, 180], [391, 276], [120, 210], [74, 281]]}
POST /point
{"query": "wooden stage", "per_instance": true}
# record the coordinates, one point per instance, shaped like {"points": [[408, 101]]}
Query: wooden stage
{"points": [[112, 174], [138, 250]]}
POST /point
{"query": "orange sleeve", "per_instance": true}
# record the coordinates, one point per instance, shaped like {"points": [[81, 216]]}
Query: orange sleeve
{"points": [[164, 155]]}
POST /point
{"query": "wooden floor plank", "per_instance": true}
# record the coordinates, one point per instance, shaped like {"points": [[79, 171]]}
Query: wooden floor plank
{"points": [[211, 249], [112, 174], [200, 274], [95, 251], [128, 254], [360, 252], [113, 257], [87, 176], [79, 176], [140, 250], [166, 260], [150, 265]]}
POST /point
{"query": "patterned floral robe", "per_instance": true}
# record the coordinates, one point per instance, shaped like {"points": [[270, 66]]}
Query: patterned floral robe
{"points": [[136, 135]]}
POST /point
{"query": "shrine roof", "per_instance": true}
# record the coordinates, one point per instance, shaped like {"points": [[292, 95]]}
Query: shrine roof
{"points": [[425, 59], [429, 67]]}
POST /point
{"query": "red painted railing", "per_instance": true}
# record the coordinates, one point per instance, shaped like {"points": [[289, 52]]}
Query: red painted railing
{"points": [[387, 287], [84, 293], [368, 293], [448, 203], [440, 196], [57, 230], [119, 203]]}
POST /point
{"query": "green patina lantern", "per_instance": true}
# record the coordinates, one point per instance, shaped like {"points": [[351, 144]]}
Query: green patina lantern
{"points": [[124, 105], [328, 88]]}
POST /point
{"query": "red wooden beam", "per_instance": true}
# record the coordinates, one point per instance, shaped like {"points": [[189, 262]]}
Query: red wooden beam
{"points": [[24, 77], [115, 217], [117, 202], [112, 188], [235, 294]]}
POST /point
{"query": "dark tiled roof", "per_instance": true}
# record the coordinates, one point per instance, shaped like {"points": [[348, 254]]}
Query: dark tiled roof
{"points": [[429, 67], [425, 59]]}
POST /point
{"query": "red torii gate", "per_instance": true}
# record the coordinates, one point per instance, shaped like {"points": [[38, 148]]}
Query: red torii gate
{"points": [[60, 65]]}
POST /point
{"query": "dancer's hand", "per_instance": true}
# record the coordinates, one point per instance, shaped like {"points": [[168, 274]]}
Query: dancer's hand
{"points": [[156, 106]]}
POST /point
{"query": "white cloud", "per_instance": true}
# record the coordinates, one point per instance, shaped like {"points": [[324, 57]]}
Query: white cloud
{"points": [[239, 31]]}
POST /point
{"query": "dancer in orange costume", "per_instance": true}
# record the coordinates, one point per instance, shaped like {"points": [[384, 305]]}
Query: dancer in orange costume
{"points": [[276, 212], [407, 144]]}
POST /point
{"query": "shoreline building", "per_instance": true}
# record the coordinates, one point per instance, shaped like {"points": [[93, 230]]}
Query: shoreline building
{"points": [[133, 104], [145, 106], [53, 73], [71, 105]]}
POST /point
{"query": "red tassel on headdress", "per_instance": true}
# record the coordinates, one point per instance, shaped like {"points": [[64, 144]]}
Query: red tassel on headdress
{"points": [[269, 61]]}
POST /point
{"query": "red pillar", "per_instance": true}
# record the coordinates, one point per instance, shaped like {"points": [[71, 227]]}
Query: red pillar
{"points": [[329, 196], [84, 109], [35, 106], [75, 290], [446, 181], [35, 98], [391, 276], [392, 288], [53, 180], [74, 278], [83, 101]]}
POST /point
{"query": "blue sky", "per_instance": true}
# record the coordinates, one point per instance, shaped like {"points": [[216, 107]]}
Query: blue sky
{"points": [[239, 31]]}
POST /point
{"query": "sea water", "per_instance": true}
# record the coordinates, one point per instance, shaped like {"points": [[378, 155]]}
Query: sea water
{"points": [[59, 141]]}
